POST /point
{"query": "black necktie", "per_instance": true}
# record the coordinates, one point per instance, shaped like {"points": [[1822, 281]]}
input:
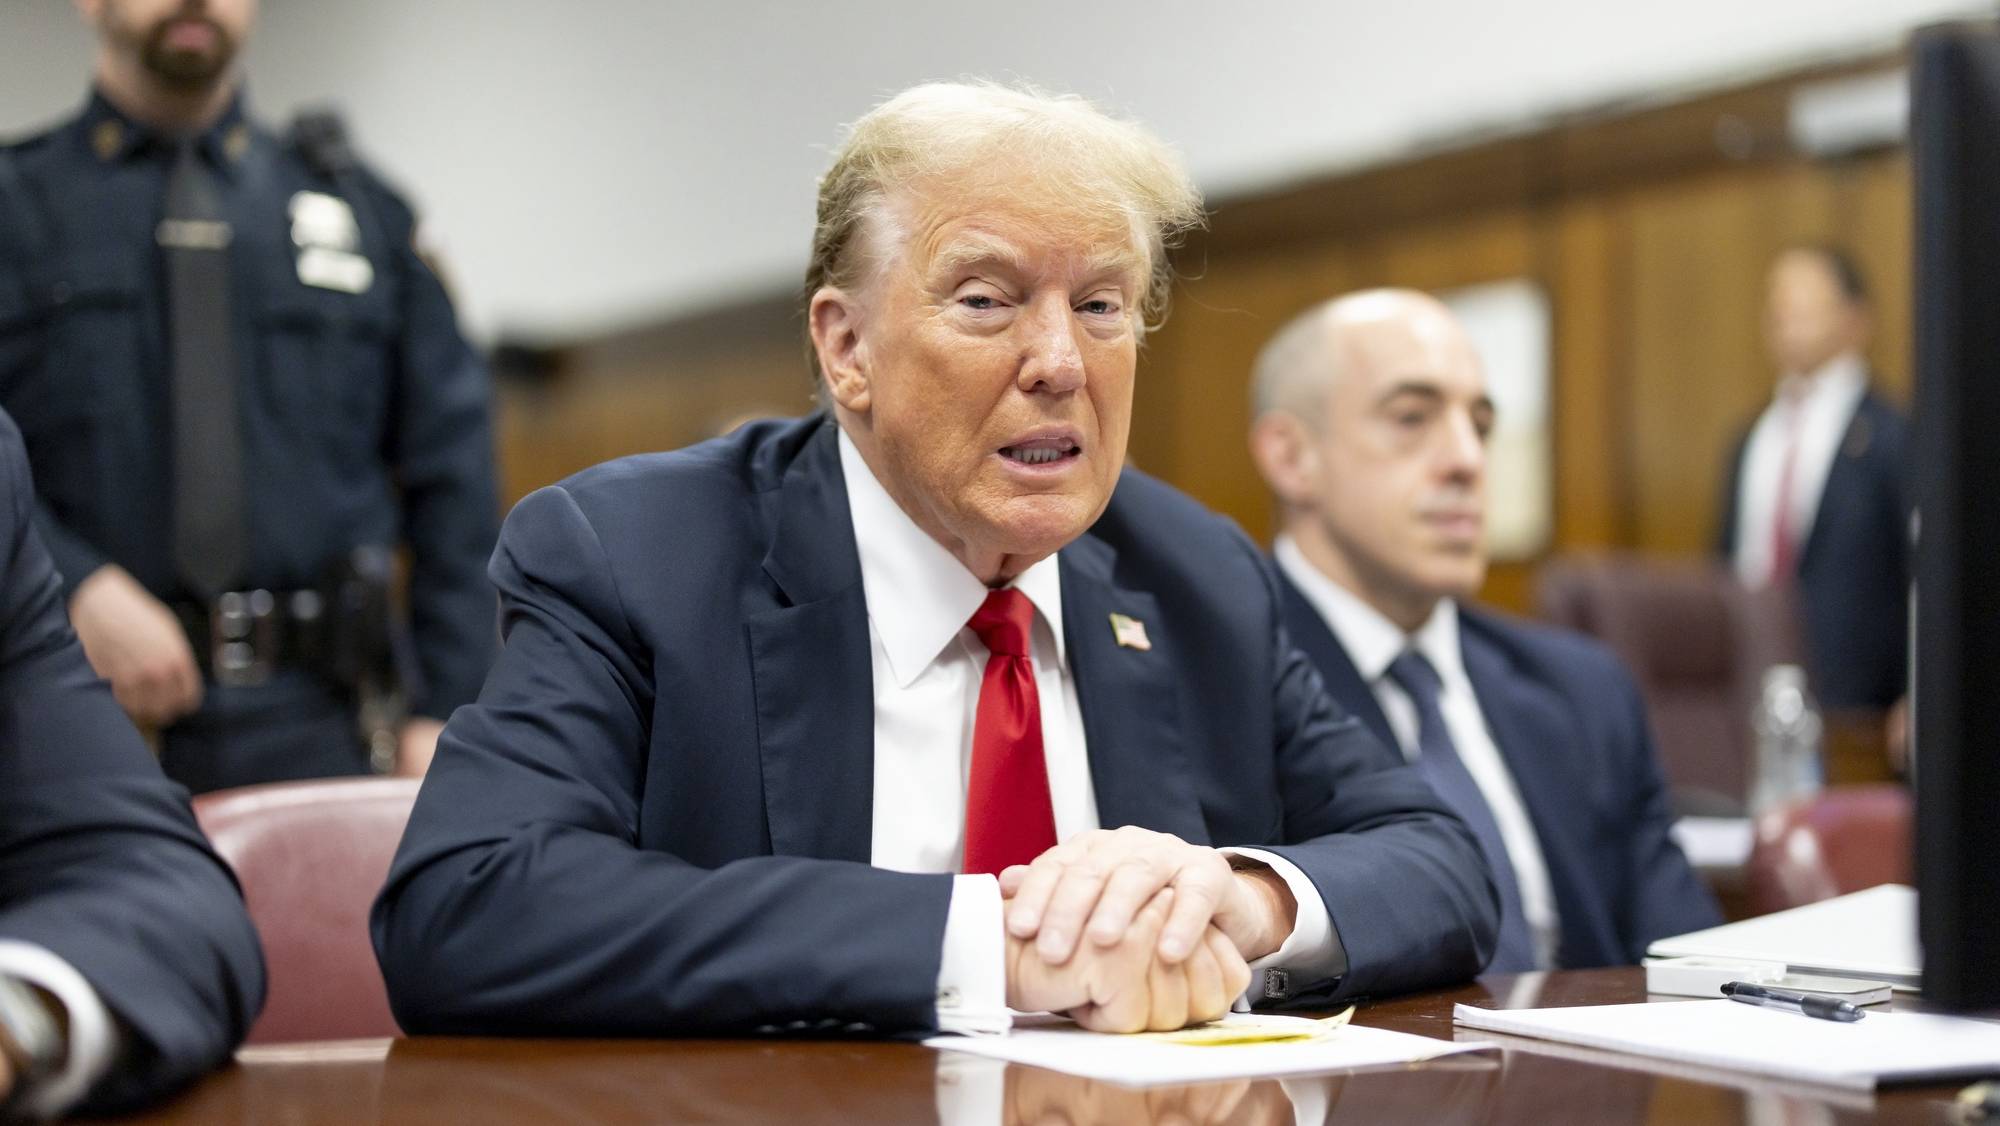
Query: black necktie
{"points": [[209, 535], [1437, 758]]}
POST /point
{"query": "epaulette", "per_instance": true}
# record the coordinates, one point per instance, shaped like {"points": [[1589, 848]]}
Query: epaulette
{"points": [[320, 137]]}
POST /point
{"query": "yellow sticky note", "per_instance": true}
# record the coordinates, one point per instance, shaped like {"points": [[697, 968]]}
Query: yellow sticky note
{"points": [[1238, 1031]]}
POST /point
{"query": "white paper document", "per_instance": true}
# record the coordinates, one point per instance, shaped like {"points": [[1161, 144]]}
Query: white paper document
{"points": [[1142, 1061], [1737, 1037]]}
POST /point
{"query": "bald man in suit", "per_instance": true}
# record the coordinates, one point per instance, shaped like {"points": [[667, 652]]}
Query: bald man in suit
{"points": [[1371, 427]]}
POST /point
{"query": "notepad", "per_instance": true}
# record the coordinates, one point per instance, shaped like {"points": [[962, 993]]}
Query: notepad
{"points": [[1882, 1047]]}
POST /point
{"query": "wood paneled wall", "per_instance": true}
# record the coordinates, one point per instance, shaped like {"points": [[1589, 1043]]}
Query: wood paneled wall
{"points": [[1651, 240], [651, 389]]}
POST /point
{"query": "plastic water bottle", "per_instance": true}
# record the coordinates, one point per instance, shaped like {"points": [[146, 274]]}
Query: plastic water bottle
{"points": [[1787, 726]]}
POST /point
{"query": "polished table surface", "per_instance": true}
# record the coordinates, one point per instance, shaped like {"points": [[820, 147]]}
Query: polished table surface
{"points": [[446, 1080]]}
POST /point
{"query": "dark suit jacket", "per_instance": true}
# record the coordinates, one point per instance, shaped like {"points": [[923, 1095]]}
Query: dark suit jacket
{"points": [[657, 817], [100, 860], [1572, 729], [1854, 571]]}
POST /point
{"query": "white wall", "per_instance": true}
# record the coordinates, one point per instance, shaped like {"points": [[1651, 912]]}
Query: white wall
{"points": [[585, 165]]}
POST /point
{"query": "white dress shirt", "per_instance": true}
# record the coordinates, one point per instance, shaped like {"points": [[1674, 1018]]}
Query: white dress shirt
{"points": [[92, 1036], [1372, 642], [927, 671], [1825, 401]]}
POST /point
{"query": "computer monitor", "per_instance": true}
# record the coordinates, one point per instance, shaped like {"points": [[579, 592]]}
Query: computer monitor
{"points": [[1955, 143]]}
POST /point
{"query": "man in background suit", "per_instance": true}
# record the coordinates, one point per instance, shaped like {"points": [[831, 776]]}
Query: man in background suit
{"points": [[127, 963], [1371, 424], [1832, 449], [739, 768]]}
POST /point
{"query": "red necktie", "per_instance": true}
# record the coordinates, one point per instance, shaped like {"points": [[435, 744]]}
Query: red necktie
{"points": [[1008, 818], [1783, 550]]}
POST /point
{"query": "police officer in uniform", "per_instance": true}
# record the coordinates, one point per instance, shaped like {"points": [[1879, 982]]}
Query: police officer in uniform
{"points": [[242, 393]]}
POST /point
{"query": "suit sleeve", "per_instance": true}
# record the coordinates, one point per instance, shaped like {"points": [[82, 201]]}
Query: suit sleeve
{"points": [[1662, 894], [443, 457], [100, 860], [522, 902], [1404, 884]]}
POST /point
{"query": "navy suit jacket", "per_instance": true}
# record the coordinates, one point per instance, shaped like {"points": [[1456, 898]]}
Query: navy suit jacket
{"points": [[1854, 571], [657, 817], [1572, 728], [100, 859]]}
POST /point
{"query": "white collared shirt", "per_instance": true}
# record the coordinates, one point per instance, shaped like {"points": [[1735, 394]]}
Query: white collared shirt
{"points": [[1825, 401], [1372, 642], [927, 670]]}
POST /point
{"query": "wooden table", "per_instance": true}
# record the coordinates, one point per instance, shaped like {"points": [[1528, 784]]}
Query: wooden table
{"points": [[464, 1080]]}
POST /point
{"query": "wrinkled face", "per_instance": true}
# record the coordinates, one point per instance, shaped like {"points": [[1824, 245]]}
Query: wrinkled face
{"points": [[183, 43], [1807, 319], [1400, 481], [988, 376]]}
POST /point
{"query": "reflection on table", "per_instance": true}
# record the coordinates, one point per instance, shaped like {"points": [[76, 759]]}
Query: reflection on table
{"points": [[496, 1081]]}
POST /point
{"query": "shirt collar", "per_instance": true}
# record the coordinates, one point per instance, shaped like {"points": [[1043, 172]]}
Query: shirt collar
{"points": [[919, 595], [1371, 640], [1839, 379], [114, 136]]}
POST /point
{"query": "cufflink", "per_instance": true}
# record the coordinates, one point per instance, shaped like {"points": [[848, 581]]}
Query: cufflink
{"points": [[948, 997], [1277, 985]]}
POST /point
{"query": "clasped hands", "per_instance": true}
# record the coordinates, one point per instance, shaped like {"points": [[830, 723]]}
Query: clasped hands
{"points": [[1128, 930]]}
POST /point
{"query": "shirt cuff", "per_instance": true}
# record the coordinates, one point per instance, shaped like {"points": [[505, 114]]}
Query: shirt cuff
{"points": [[93, 1039], [972, 973], [1312, 952]]}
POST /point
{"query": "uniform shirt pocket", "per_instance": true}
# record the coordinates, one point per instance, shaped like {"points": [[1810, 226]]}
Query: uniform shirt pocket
{"points": [[327, 360], [87, 310]]}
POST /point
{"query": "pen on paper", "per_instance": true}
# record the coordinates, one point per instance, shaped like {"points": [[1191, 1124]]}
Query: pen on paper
{"points": [[1806, 1004]]}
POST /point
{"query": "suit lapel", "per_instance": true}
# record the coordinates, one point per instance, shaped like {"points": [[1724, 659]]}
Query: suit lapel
{"points": [[809, 663], [1343, 681], [1843, 477], [1131, 713], [1536, 736]]}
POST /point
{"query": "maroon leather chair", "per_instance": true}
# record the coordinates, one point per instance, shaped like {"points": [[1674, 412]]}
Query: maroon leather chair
{"points": [[1843, 839], [310, 857], [1697, 643]]}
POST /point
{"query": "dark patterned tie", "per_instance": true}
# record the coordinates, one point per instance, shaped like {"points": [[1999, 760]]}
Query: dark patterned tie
{"points": [[1437, 758], [209, 533]]}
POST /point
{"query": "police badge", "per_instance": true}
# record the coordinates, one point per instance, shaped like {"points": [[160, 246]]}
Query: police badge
{"points": [[329, 244]]}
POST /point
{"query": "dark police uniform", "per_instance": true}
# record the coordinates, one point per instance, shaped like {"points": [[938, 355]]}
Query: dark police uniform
{"points": [[363, 415]]}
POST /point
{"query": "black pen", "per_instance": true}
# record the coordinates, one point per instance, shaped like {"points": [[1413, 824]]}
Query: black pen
{"points": [[1809, 1004]]}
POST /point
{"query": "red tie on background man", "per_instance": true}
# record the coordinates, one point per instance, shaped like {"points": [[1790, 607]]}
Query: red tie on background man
{"points": [[1008, 818]]}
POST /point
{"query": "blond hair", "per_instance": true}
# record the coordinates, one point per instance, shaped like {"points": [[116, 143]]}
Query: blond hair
{"points": [[1093, 162]]}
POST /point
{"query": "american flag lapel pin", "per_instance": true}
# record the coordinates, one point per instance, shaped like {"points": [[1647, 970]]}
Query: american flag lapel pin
{"points": [[1130, 633]]}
